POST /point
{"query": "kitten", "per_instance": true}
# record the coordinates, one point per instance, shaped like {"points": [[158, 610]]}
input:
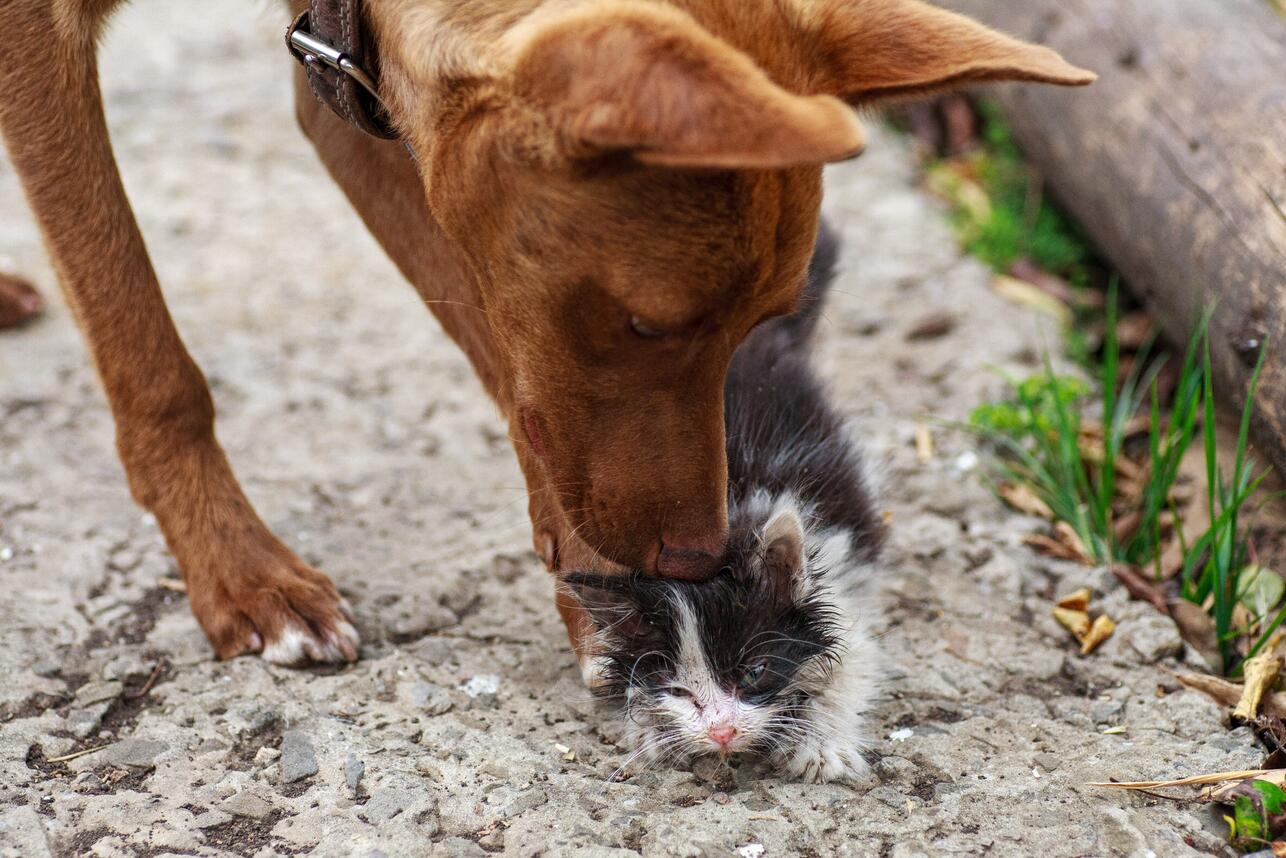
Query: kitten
{"points": [[775, 655]]}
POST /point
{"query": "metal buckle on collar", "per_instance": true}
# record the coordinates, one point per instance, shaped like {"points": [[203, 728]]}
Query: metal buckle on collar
{"points": [[314, 50]]}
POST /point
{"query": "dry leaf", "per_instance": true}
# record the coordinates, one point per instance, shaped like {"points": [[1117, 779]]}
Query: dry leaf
{"points": [[1126, 526], [1277, 777], [1172, 557], [1091, 447], [1196, 628], [1228, 693], [1241, 617], [1078, 600], [1140, 587], [1130, 491], [1133, 330], [1068, 536], [957, 643], [924, 444], [1099, 632], [1076, 622], [1023, 499], [1195, 780], [1260, 673], [1025, 294], [948, 181], [1056, 287], [1128, 469], [931, 327], [961, 124], [1049, 546]]}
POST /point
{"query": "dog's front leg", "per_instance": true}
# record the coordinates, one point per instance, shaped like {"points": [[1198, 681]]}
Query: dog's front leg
{"points": [[248, 591], [381, 181]]}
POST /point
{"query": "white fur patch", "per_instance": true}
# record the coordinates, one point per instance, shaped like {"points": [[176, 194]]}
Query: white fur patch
{"points": [[593, 671], [287, 649], [297, 646]]}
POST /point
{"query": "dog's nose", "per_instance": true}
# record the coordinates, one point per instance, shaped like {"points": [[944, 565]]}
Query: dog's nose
{"points": [[690, 559], [722, 734]]}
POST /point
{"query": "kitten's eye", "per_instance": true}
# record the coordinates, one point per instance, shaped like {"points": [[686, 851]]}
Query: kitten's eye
{"points": [[679, 691], [753, 674]]}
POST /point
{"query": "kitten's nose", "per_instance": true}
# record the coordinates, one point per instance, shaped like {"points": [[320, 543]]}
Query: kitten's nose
{"points": [[723, 734], [690, 558]]}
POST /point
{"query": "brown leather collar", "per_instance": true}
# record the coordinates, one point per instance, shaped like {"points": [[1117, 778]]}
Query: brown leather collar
{"points": [[332, 42]]}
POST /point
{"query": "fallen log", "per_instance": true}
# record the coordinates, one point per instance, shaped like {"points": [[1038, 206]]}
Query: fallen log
{"points": [[1174, 162]]}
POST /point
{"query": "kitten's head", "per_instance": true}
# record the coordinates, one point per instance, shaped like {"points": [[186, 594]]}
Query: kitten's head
{"points": [[724, 666]]}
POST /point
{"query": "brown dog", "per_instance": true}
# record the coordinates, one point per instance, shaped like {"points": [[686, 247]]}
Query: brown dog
{"points": [[608, 196]]}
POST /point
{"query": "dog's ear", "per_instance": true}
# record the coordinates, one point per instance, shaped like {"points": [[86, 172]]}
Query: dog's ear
{"points": [[869, 50], [647, 80]]}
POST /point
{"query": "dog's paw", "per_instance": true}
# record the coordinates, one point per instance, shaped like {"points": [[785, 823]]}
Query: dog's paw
{"points": [[285, 611], [336, 643], [819, 760]]}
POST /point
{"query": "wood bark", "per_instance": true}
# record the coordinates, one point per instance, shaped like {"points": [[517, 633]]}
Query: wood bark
{"points": [[1174, 162]]}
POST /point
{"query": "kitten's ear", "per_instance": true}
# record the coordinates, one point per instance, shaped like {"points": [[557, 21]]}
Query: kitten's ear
{"points": [[783, 552], [609, 602], [879, 49]]}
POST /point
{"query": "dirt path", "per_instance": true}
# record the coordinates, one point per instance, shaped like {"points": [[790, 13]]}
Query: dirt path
{"points": [[367, 445]]}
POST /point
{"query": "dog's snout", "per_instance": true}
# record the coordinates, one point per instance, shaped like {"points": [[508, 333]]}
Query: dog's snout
{"points": [[690, 558]]}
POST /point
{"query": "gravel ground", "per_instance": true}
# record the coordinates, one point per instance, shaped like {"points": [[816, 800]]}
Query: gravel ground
{"points": [[359, 432]]}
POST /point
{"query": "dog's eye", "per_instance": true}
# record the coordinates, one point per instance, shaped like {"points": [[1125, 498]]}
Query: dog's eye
{"points": [[644, 330]]}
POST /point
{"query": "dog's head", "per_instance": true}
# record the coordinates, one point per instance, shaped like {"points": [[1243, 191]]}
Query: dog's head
{"points": [[634, 185]]}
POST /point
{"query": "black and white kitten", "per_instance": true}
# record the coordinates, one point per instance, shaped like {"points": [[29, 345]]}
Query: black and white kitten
{"points": [[775, 655]]}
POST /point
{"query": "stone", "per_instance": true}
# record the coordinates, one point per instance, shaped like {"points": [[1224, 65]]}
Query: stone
{"points": [[266, 755], [354, 768], [1106, 711], [481, 685], [298, 759], [529, 800], [432, 699], [1048, 762], [709, 769], [1233, 740], [247, 804], [211, 819], [134, 753], [22, 835], [423, 620], [891, 797], [458, 847], [124, 666], [87, 782], [97, 692], [496, 769], [385, 804], [1154, 638], [83, 723]]}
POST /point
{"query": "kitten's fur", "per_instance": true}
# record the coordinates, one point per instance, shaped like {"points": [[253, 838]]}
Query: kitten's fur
{"points": [[775, 655]]}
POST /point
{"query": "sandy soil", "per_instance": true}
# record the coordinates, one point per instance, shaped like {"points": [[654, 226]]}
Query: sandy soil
{"points": [[361, 435]]}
